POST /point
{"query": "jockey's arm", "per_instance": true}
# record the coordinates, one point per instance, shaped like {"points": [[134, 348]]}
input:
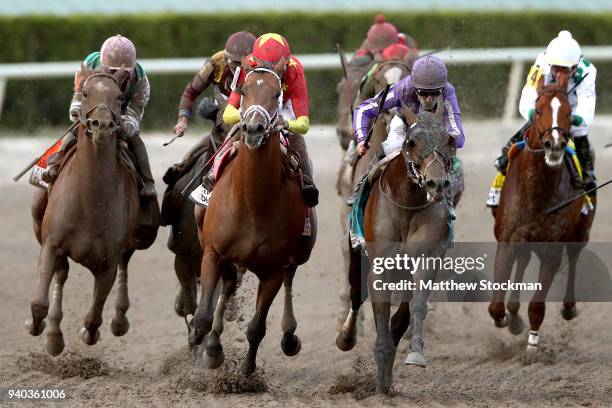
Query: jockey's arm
{"points": [[367, 110], [529, 94], [298, 97], [585, 92], [136, 106], [452, 116], [231, 114], [77, 97], [198, 84]]}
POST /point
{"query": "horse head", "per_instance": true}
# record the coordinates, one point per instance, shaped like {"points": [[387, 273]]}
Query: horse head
{"points": [[551, 124], [427, 152], [262, 98], [101, 106]]}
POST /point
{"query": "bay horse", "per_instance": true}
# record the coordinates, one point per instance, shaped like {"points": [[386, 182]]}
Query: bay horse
{"points": [[255, 219], [387, 72], [406, 206], [91, 215], [537, 180]]}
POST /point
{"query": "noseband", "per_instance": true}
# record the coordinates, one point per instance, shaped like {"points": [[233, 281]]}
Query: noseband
{"points": [[417, 176], [270, 119]]}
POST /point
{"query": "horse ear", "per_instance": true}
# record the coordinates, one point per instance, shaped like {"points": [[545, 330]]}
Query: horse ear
{"points": [[279, 68], [540, 84], [408, 115], [122, 75]]}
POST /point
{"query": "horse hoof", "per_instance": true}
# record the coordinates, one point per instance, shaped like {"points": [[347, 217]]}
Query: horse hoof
{"points": [[501, 323], [291, 344], [120, 326], [214, 361], [417, 359], [345, 342], [569, 312], [515, 324], [35, 331], [87, 337], [532, 348], [54, 343]]}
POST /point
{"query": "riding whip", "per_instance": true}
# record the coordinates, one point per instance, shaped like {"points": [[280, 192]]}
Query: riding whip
{"points": [[571, 200], [347, 89], [33, 163], [381, 102]]}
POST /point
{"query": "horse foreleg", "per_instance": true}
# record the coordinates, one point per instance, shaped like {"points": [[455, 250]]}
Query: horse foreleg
{"points": [[47, 262], [515, 322], [186, 270], [201, 323], [537, 306], [55, 339], [504, 259], [400, 322], [104, 279], [214, 356], [266, 292], [384, 349], [569, 300], [290, 343], [120, 323], [418, 312], [347, 337]]}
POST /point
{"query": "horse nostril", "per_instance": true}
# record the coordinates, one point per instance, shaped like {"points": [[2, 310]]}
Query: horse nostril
{"points": [[430, 184], [446, 184], [260, 128], [547, 144], [95, 124], [563, 145], [244, 128]]}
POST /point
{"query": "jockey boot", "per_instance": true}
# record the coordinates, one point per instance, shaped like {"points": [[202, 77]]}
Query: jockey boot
{"points": [[139, 150], [502, 161], [310, 193], [585, 157], [175, 171], [378, 156], [52, 171]]}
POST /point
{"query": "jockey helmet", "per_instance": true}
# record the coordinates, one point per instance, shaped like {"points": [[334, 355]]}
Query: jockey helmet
{"points": [[271, 48], [239, 45], [118, 52], [381, 34], [395, 52], [563, 51], [429, 72]]}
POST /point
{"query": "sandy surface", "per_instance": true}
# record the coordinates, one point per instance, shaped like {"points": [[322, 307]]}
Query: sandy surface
{"points": [[471, 362]]}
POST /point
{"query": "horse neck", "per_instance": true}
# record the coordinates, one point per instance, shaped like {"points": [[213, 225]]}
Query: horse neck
{"points": [[96, 165], [539, 180], [400, 187], [257, 174]]}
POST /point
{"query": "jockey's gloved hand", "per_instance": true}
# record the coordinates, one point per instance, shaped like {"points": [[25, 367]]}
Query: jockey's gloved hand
{"points": [[74, 112], [128, 127], [362, 148], [281, 123], [576, 120]]}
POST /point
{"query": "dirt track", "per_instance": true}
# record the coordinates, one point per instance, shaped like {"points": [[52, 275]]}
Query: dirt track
{"points": [[471, 363]]}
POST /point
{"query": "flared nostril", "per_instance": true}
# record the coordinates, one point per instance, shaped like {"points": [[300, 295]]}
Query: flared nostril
{"points": [[547, 144]]}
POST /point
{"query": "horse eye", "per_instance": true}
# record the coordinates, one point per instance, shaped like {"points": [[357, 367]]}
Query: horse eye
{"points": [[411, 143], [85, 94], [278, 95]]}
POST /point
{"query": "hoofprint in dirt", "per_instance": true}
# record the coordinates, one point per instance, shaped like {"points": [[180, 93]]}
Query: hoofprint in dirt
{"points": [[471, 362]]}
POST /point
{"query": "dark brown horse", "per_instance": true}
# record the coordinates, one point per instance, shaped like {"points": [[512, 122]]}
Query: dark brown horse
{"points": [[406, 206], [537, 180], [255, 219], [91, 216], [387, 72]]}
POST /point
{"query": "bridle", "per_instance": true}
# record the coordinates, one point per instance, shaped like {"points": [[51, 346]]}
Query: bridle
{"points": [[416, 175], [270, 119], [84, 119], [547, 130]]}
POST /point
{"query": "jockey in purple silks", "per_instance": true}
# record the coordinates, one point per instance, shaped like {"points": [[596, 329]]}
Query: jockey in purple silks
{"points": [[426, 89]]}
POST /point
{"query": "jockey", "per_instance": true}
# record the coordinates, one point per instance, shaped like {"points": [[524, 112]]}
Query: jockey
{"points": [[268, 50], [394, 52], [116, 53], [221, 70], [426, 89], [562, 56]]}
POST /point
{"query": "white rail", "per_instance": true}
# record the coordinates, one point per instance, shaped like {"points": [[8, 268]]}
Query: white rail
{"points": [[516, 57]]}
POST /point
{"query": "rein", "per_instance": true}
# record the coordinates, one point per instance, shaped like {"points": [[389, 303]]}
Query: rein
{"points": [[395, 203], [547, 130]]}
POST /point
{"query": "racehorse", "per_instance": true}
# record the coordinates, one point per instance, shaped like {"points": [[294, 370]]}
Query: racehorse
{"points": [[406, 205], [255, 219], [537, 180], [91, 215], [387, 72]]}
